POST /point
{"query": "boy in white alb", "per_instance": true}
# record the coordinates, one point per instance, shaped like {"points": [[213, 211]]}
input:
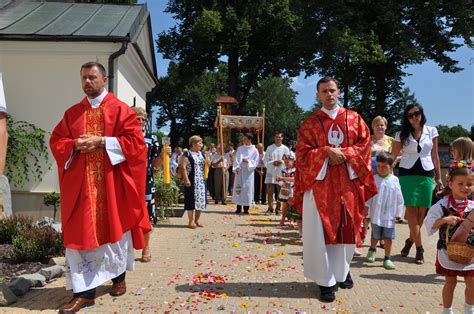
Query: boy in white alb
{"points": [[384, 208]]}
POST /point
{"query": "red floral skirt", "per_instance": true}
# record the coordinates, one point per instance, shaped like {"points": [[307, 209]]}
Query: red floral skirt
{"points": [[449, 272]]}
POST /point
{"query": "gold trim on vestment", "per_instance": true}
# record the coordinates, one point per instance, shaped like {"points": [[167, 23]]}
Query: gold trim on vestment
{"points": [[95, 172]]}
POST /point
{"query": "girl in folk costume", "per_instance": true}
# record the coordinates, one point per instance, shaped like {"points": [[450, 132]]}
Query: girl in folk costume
{"points": [[286, 181], [245, 162], [453, 219]]}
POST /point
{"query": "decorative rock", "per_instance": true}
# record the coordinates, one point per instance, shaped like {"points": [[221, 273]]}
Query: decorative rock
{"points": [[19, 286], [36, 279], [60, 260], [7, 297], [52, 272]]}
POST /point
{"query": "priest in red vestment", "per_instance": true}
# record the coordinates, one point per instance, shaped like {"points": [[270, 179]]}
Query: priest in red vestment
{"points": [[333, 180], [101, 157]]}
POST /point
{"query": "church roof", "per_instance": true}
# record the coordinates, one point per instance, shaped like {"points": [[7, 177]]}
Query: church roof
{"points": [[43, 20]]}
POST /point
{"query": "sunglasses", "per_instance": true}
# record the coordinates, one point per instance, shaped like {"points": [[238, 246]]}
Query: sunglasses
{"points": [[414, 114]]}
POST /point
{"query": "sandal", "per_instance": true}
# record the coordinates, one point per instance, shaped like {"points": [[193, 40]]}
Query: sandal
{"points": [[198, 224], [406, 249], [146, 258], [191, 226], [419, 258]]}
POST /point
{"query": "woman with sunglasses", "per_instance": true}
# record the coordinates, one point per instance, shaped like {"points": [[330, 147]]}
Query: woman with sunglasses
{"points": [[419, 163]]}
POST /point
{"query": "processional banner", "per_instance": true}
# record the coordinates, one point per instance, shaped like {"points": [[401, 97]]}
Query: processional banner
{"points": [[242, 122]]}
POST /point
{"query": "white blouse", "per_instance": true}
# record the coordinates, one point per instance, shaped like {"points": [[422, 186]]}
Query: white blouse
{"points": [[435, 213], [410, 149]]}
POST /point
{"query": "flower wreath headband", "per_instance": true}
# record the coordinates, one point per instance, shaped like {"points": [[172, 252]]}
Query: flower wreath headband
{"points": [[458, 164]]}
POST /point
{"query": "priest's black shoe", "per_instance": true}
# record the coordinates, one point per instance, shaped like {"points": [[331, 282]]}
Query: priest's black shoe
{"points": [[327, 294], [348, 283]]}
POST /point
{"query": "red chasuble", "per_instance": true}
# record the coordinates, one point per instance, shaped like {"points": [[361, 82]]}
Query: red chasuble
{"points": [[100, 202], [340, 201]]}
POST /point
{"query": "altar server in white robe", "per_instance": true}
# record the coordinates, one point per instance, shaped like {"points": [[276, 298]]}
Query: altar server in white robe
{"points": [[245, 163]]}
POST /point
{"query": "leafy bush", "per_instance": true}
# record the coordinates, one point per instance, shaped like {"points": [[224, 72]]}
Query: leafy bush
{"points": [[54, 199], [37, 244], [166, 194], [11, 226], [26, 152]]}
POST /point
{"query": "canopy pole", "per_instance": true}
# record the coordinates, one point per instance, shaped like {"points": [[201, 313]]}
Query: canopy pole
{"points": [[224, 170]]}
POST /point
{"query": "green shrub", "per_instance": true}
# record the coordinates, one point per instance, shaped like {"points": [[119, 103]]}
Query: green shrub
{"points": [[54, 199], [27, 153], [11, 226], [166, 195], [37, 244]]}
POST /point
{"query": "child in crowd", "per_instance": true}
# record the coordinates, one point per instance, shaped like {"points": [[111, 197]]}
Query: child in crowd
{"points": [[286, 181], [462, 148], [448, 215], [384, 208]]}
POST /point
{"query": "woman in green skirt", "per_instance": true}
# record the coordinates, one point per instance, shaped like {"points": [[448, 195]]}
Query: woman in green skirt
{"points": [[419, 163]]}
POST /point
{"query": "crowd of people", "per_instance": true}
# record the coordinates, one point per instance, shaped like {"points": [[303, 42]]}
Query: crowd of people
{"points": [[337, 184]]}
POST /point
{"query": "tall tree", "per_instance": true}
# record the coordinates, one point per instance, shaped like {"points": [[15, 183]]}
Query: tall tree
{"points": [[366, 45], [281, 111], [187, 103], [254, 37], [448, 134]]}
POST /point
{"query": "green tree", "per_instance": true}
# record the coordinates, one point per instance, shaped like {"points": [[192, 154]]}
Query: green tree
{"points": [[366, 45], [281, 111], [187, 103], [448, 134], [255, 38], [394, 113], [27, 153]]}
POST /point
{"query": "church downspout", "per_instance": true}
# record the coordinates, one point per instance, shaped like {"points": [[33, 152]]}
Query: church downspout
{"points": [[112, 58]]}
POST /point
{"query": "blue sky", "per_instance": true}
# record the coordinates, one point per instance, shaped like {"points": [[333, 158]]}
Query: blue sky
{"points": [[446, 97]]}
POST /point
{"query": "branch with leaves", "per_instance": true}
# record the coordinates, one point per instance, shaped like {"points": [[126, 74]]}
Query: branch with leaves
{"points": [[27, 153]]}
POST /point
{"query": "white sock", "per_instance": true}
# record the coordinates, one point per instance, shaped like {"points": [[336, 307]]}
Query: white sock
{"points": [[447, 310], [468, 308]]}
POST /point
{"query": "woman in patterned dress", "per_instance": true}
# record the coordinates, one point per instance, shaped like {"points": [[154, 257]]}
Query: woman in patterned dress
{"points": [[153, 162], [192, 168]]}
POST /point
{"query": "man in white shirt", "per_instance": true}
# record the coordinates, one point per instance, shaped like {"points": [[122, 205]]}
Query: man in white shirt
{"points": [[220, 164], [260, 194], [274, 163]]}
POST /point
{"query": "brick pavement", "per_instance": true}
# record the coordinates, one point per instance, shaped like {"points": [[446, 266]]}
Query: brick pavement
{"points": [[249, 263]]}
